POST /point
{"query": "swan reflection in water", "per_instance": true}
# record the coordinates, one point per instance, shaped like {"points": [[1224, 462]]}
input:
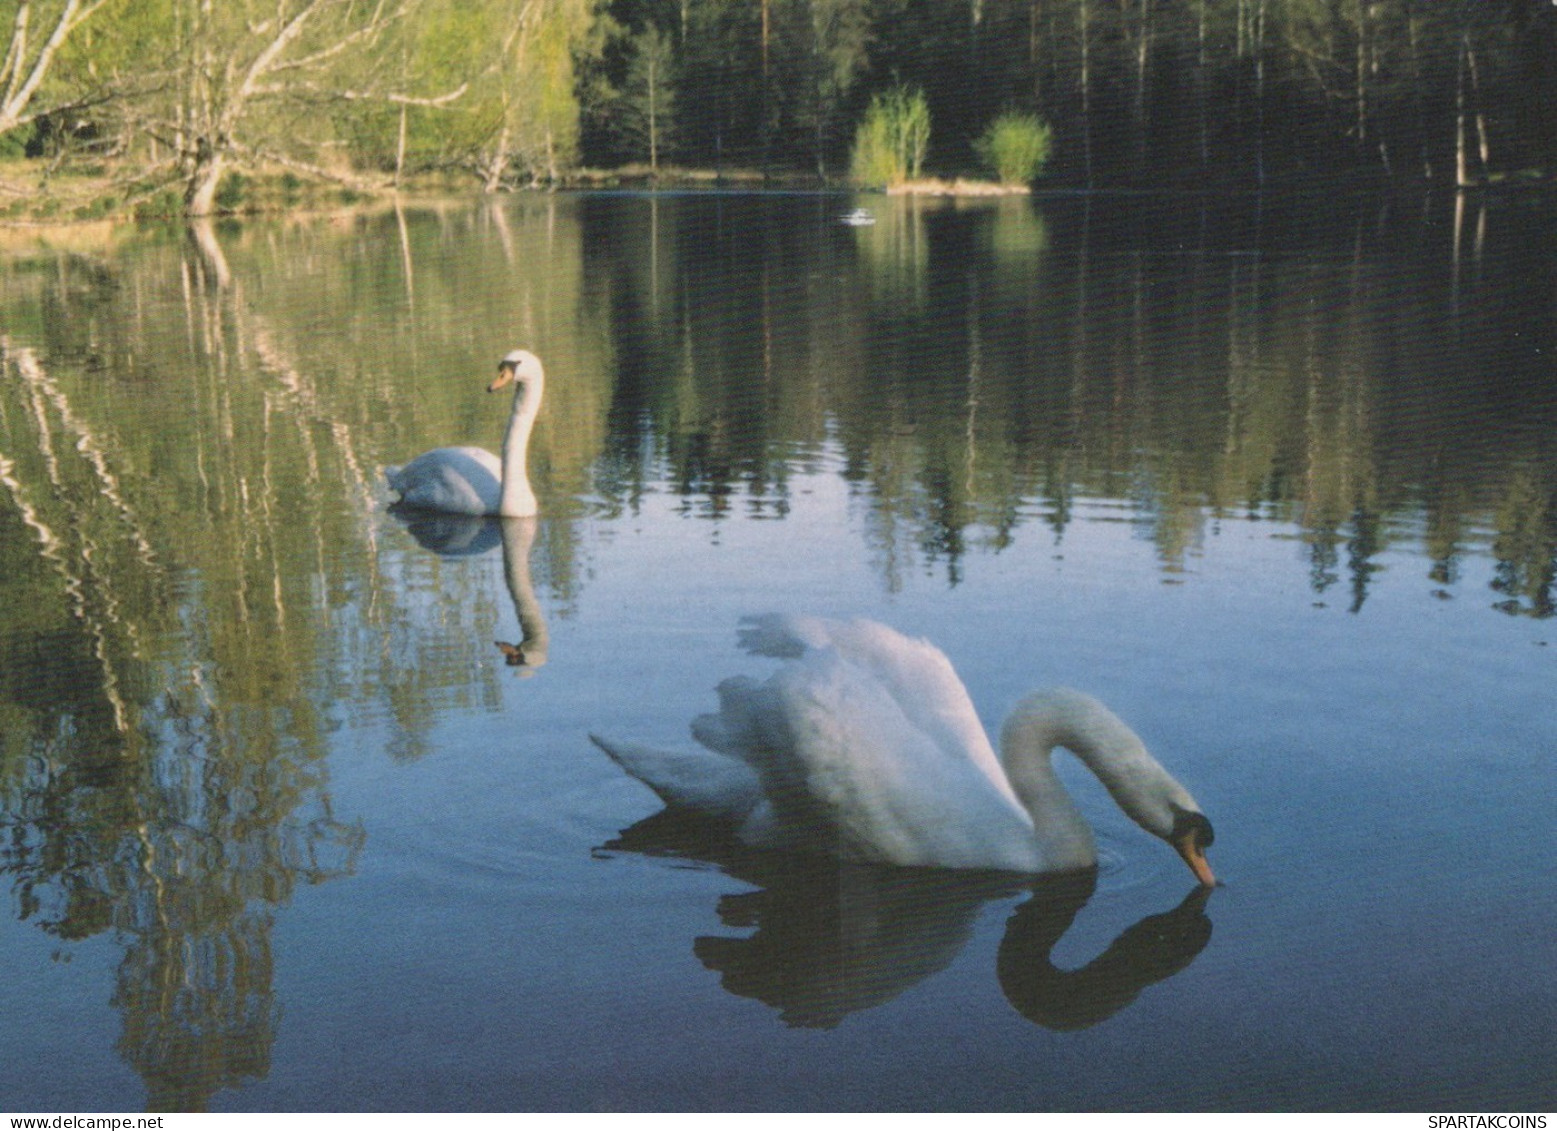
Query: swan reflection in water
{"points": [[828, 938], [458, 536]]}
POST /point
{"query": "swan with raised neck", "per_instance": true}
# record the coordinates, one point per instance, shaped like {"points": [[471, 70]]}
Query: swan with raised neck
{"points": [[470, 480]]}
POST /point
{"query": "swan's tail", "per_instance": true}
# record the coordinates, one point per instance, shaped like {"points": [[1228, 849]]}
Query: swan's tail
{"points": [[693, 779]]}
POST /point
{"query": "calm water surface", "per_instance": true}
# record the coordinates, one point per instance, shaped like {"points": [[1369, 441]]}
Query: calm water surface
{"points": [[282, 829]]}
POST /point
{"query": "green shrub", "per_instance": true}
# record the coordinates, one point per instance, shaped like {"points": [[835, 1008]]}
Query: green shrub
{"points": [[1015, 147], [160, 206], [98, 208], [890, 144], [231, 192]]}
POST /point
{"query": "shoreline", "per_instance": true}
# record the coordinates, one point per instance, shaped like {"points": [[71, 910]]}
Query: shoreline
{"points": [[85, 208], [38, 197]]}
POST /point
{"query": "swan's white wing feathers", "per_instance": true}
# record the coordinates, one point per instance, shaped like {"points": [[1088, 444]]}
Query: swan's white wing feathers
{"points": [[915, 673], [845, 770], [462, 480], [865, 745], [695, 779]]}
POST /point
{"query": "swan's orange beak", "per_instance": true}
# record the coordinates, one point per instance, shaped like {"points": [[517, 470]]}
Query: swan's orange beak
{"points": [[1189, 848], [505, 374]]}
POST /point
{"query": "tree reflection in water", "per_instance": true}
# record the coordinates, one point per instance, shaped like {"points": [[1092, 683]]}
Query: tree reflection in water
{"points": [[191, 604], [195, 988], [162, 750], [195, 595], [829, 938], [182, 852]]}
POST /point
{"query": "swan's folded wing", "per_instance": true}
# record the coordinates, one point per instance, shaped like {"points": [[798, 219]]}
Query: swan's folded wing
{"points": [[460, 480], [913, 672], [848, 772]]}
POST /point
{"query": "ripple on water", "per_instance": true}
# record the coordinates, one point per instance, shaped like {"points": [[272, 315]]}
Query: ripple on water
{"points": [[539, 843], [1129, 864]]}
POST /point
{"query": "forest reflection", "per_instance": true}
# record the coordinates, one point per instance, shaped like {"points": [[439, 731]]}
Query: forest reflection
{"points": [[197, 590], [978, 368]]}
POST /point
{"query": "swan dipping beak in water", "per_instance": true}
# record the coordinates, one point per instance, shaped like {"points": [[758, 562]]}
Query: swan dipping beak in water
{"points": [[865, 745], [473, 481]]}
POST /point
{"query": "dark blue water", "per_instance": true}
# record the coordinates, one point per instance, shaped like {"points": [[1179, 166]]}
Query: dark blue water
{"points": [[283, 830]]}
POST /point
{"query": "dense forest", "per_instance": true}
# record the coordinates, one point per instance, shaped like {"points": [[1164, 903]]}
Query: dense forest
{"points": [[173, 96]]}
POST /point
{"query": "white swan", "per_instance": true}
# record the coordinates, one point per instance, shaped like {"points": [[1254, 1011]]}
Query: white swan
{"points": [[866, 746], [472, 480]]}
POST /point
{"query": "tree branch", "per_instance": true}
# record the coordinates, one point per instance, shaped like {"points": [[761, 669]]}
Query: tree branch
{"points": [[84, 103], [325, 94], [264, 61], [11, 72], [340, 45], [318, 171], [17, 98]]}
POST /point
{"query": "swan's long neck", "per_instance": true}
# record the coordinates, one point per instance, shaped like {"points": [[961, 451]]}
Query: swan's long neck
{"points": [[1110, 749], [518, 499]]}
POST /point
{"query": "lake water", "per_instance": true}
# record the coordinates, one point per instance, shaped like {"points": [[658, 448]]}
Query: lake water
{"points": [[283, 830]]}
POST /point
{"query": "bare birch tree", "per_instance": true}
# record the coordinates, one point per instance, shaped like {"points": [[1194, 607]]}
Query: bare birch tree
{"points": [[257, 77], [29, 57]]}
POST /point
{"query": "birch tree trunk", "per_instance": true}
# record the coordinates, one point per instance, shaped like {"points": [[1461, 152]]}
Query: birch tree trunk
{"points": [[204, 179]]}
